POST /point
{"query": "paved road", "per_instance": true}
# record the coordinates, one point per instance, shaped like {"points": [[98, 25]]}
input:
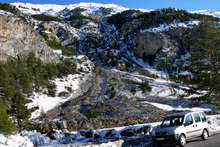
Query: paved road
{"points": [[213, 141]]}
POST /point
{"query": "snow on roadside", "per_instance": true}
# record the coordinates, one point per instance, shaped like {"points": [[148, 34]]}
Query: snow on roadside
{"points": [[37, 138], [15, 141], [33, 138], [165, 27], [214, 120]]}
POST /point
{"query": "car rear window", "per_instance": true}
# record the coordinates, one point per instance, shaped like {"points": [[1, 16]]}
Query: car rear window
{"points": [[197, 117]]}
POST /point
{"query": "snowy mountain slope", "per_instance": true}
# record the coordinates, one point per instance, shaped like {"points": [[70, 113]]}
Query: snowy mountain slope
{"points": [[52, 9], [208, 12]]}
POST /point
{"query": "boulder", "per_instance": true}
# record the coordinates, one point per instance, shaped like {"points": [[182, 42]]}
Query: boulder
{"points": [[128, 132], [110, 133], [51, 135], [143, 130], [148, 44], [97, 136], [87, 133]]}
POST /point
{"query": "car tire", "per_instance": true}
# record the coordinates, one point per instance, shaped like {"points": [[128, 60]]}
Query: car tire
{"points": [[182, 140], [205, 135], [157, 144]]}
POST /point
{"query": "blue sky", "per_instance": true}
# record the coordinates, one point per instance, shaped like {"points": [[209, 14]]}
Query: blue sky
{"points": [[146, 4]]}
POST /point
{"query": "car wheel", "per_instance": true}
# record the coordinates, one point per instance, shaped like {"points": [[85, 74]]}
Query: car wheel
{"points": [[205, 135], [182, 140], [157, 144]]}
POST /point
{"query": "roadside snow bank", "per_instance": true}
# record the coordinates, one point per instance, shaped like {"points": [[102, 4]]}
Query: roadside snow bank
{"points": [[214, 121], [15, 141], [92, 138]]}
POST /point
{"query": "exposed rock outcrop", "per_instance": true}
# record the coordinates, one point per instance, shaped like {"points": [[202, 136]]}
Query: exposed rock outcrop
{"points": [[148, 44], [17, 38]]}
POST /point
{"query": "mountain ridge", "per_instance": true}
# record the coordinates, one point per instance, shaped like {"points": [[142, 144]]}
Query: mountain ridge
{"points": [[52, 9]]}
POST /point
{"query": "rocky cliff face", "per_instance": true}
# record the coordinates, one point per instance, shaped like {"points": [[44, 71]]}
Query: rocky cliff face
{"points": [[17, 38]]}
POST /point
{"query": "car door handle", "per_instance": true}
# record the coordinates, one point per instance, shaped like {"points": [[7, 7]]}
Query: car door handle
{"points": [[194, 125]]}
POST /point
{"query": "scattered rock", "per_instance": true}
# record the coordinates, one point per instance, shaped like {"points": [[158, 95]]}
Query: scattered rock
{"points": [[143, 130], [110, 134], [51, 135], [128, 133], [87, 133]]}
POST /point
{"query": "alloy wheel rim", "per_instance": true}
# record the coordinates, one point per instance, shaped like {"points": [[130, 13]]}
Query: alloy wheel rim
{"points": [[182, 140], [205, 134]]}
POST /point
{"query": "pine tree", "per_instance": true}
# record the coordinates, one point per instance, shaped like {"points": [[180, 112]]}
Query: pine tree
{"points": [[6, 126], [205, 60], [19, 110]]}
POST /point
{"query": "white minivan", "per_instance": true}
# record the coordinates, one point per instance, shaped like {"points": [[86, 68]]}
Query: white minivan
{"points": [[182, 126]]}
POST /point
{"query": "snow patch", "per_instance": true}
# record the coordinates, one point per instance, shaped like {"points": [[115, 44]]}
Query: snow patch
{"points": [[2, 12], [165, 27], [66, 88], [167, 107], [45, 102], [208, 12], [15, 141]]}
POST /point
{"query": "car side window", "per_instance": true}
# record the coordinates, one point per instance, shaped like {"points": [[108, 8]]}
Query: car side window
{"points": [[197, 117], [189, 120], [203, 117]]}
